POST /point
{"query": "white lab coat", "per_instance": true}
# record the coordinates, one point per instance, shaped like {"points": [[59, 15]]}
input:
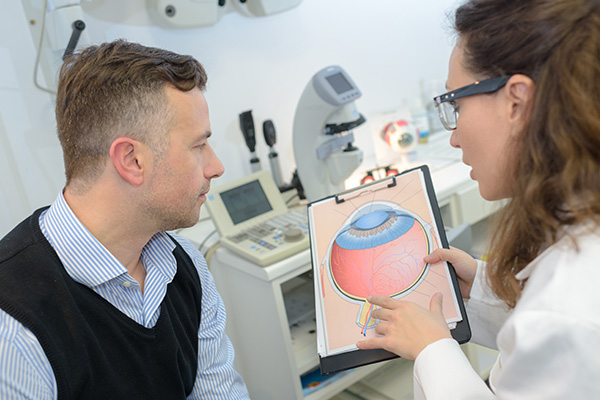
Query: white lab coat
{"points": [[549, 345]]}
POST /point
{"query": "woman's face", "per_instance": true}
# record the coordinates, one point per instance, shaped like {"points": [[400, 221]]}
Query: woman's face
{"points": [[483, 132]]}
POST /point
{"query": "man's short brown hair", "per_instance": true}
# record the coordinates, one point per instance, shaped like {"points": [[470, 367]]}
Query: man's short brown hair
{"points": [[113, 90]]}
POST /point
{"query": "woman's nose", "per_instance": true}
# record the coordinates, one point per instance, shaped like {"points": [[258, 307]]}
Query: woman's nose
{"points": [[454, 142]]}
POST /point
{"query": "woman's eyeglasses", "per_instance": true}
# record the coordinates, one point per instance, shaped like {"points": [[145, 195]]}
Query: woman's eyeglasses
{"points": [[447, 107]]}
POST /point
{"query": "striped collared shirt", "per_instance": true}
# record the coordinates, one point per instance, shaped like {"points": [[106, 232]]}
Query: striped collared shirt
{"points": [[25, 372]]}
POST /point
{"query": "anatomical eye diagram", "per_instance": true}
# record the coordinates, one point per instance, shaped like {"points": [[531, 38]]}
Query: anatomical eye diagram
{"points": [[379, 251], [371, 241]]}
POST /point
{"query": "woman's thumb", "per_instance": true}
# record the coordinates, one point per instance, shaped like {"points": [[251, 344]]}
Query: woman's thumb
{"points": [[435, 304]]}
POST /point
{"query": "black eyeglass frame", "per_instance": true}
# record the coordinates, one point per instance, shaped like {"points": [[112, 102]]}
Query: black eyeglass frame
{"points": [[480, 87]]}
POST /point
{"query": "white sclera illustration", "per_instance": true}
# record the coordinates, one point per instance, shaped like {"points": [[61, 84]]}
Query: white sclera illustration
{"points": [[379, 251]]}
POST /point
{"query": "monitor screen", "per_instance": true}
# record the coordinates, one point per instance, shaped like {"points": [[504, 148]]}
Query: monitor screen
{"points": [[339, 83], [245, 202]]}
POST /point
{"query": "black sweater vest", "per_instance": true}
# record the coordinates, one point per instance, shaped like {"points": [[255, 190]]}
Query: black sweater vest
{"points": [[96, 352]]}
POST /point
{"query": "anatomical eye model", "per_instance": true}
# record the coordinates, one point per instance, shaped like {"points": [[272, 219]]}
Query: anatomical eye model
{"points": [[378, 251]]}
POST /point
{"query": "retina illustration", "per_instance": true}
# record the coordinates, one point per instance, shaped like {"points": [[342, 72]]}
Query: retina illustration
{"points": [[379, 250]]}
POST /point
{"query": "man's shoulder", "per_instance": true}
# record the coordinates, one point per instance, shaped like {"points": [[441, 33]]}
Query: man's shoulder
{"points": [[21, 236]]}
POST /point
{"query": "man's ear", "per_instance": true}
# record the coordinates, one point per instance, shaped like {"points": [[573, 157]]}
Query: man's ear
{"points": [[128, 158], [520, 90]]}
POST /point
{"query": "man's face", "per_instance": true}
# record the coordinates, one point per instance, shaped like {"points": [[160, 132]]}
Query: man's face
{"points": [[180, 179]]}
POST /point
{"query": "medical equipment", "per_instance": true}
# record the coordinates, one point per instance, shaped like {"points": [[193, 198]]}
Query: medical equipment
{"points": [[401, 136], [323, 148], [63, 23], [185, 13], [199, 13], [65, 26], [271, 139], [247, 128], [78, 27], [254, 221], [262, 8]]}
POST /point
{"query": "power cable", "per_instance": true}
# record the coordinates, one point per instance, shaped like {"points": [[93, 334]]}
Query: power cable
{"points": [[39, 51]]}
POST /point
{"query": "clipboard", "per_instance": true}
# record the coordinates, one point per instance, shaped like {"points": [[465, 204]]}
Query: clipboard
{"points": [[371, 240]]}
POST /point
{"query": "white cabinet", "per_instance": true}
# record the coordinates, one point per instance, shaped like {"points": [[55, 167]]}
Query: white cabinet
{"points": [[270, 320]]}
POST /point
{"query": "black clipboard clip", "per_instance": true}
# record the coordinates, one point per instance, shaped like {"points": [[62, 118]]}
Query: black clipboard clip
{"points": [[339, 200]]}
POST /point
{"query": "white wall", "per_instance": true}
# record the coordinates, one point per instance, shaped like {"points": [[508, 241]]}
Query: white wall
{"points": [[262, 64]]}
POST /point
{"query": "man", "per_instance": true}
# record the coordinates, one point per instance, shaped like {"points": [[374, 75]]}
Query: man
{"points": [[96, 299]]}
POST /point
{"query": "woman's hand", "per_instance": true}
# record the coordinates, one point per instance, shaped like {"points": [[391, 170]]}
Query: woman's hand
{"points": [[407, 328], [463, 263]]}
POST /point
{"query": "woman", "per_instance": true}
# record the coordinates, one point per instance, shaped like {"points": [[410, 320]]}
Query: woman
{"points": [[530, 129]]}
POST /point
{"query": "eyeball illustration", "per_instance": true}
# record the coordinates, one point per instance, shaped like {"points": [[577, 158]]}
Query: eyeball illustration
{"points": [[378, 252]]}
